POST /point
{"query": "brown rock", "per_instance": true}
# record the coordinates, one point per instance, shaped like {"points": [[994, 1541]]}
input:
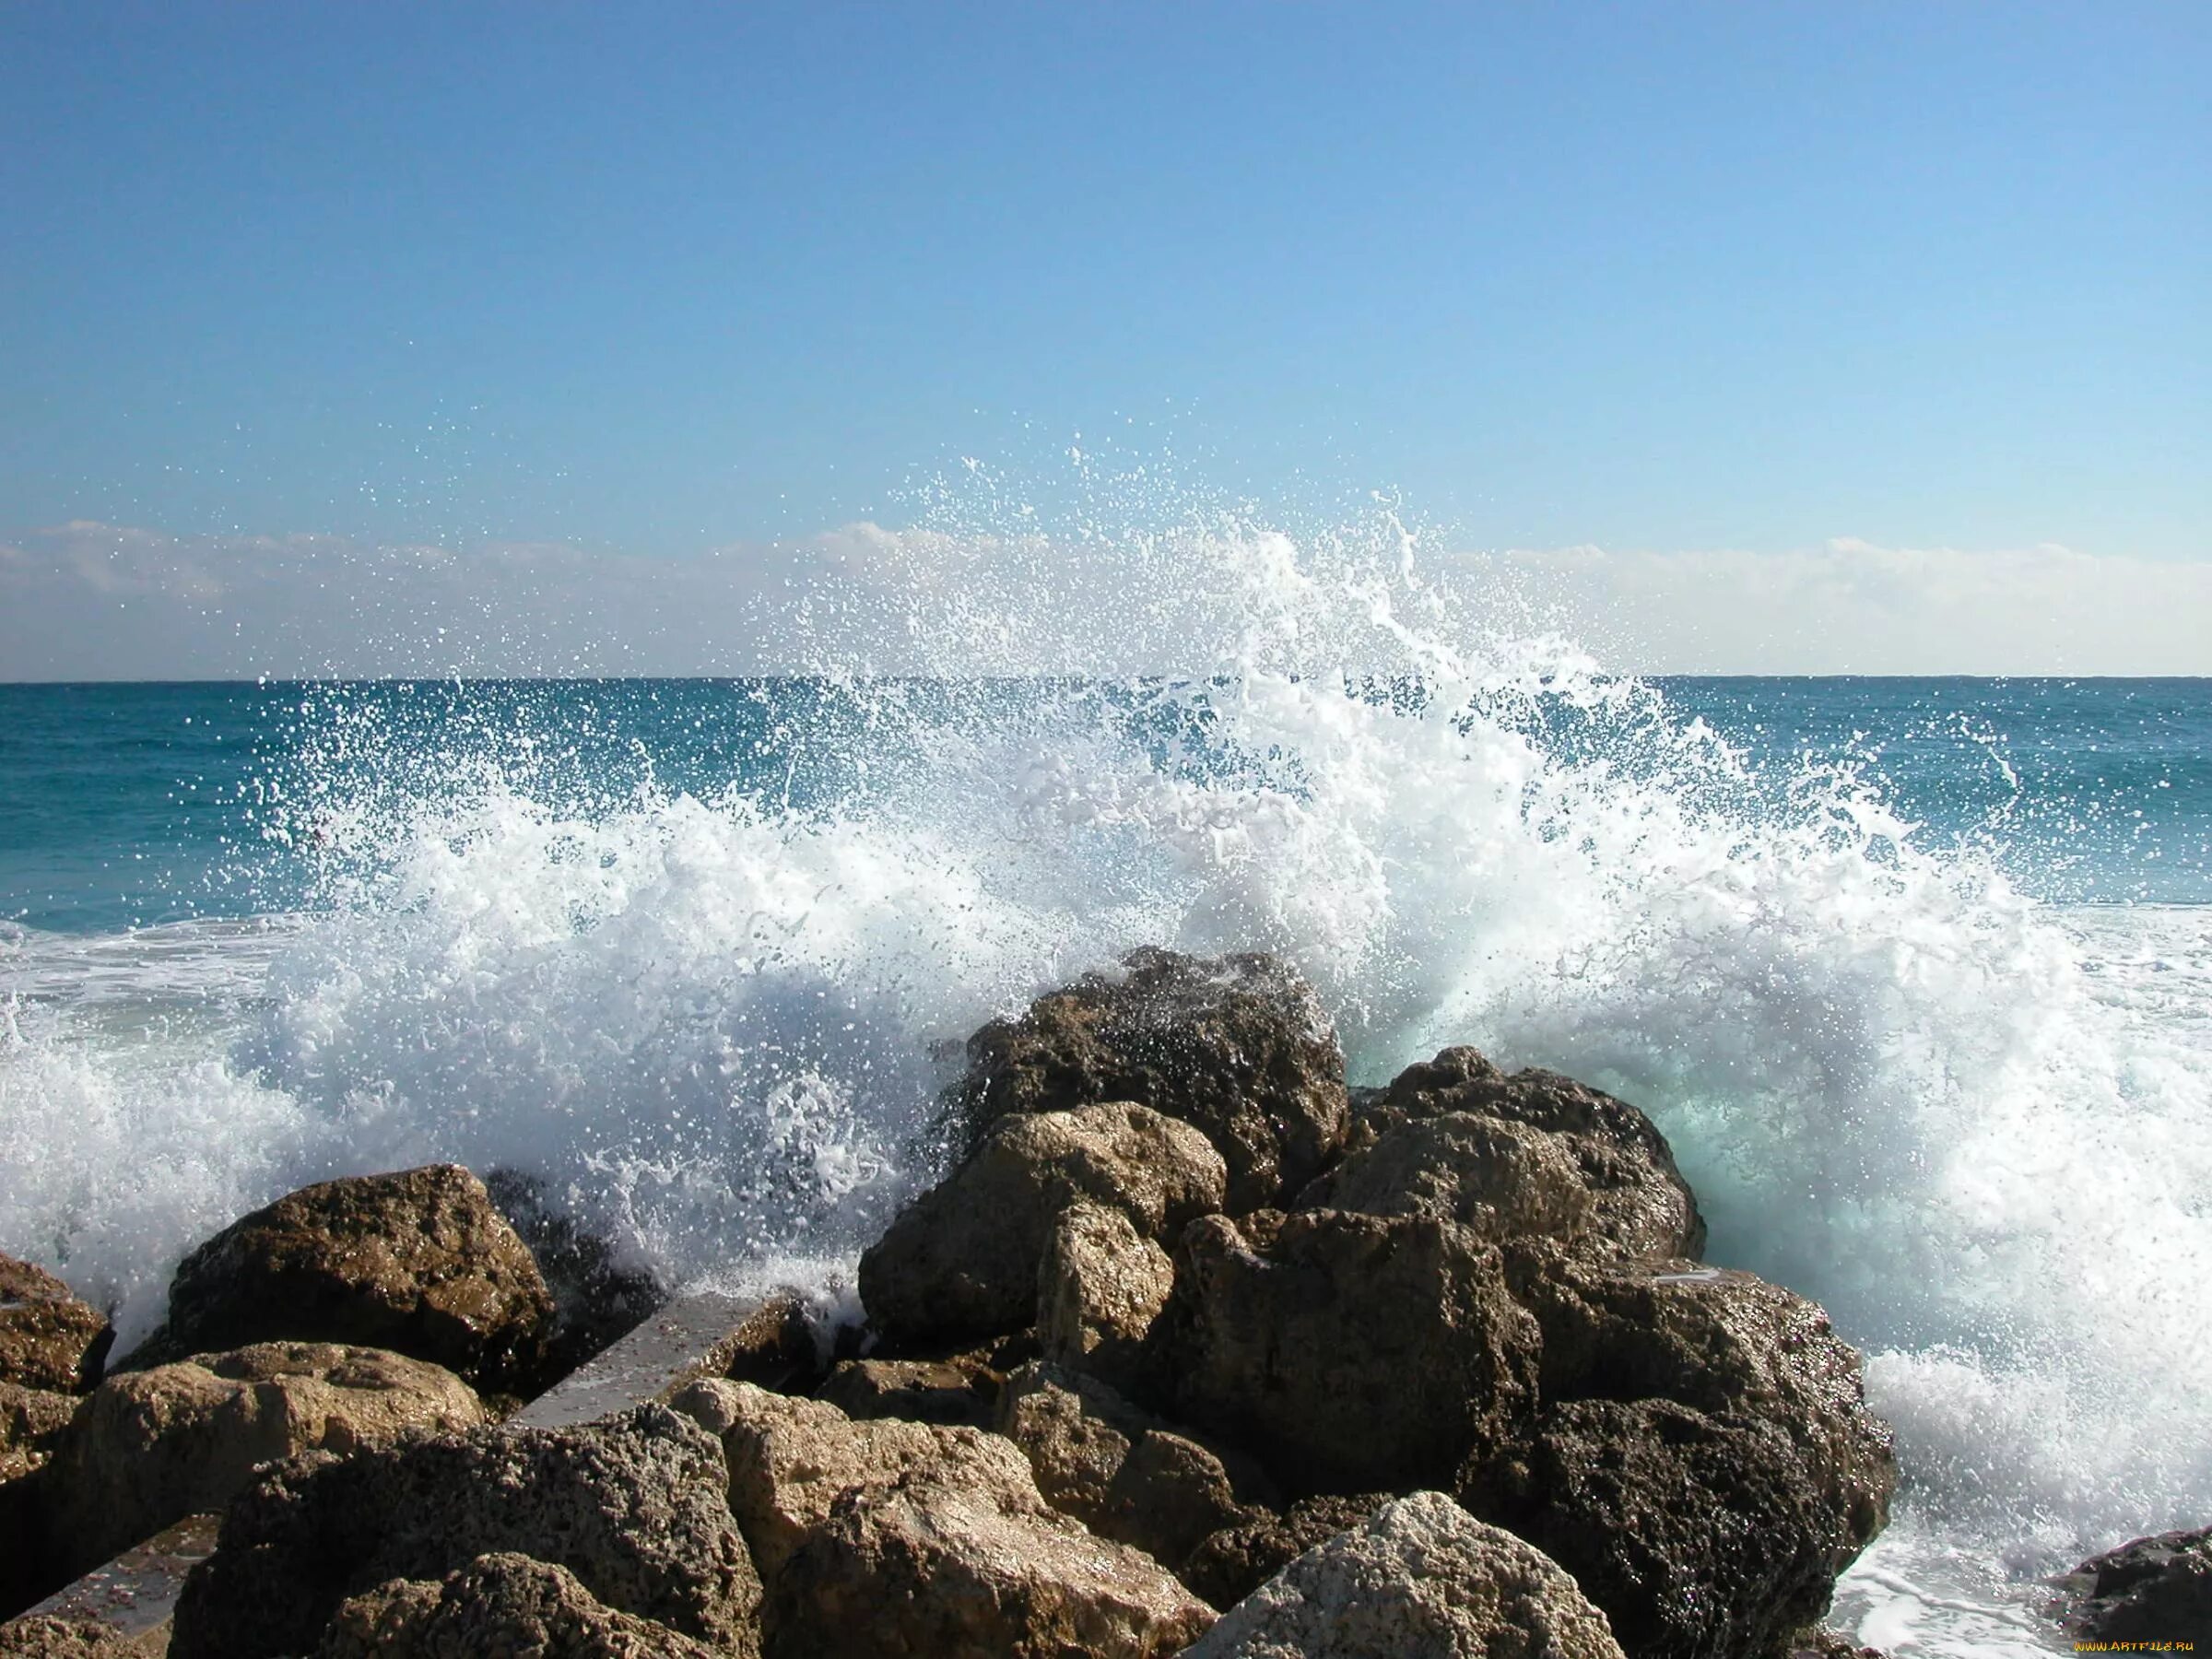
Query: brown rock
{"points": [[420, 1262], [2156, 1589], [962, 1260], [890, 1538], [597, 1300], [1499, 1179], [48, 1338], [1101, 1288], [151, 1447], [1641, 1207], [1352, 1353], [499, 1605], [633, 1506], [45, 1636], [1421, 1577], [1231, 1564], [960, 1389], [1237, 1045], [1120, 1471], [34, 1422]]}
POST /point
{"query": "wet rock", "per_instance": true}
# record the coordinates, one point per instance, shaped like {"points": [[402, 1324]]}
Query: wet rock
{"points": [[1101, 1288], [774, 1346], [1351, 1353], [959, 1389], [1728, 1344], [34, 1422], [1641, 1207], [49, 1338], [1237, 1045], [1231, 1564], [1120, 1471], [2154, 1589], [1696, 1534], [44, 1636], [502, 1604], [890, 1538], [151, 1447], [962, 1259], [419, 1262], [633, 1506], [1822, 1643], [597, 1300], [1421, 1577], [1499, 1179]]}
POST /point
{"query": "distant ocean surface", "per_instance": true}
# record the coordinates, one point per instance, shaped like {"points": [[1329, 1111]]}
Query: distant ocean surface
{"points": [[1915, 974]]}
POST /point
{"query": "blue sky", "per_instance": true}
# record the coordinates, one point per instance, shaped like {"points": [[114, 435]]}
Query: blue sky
{"points": [[656, 278]]}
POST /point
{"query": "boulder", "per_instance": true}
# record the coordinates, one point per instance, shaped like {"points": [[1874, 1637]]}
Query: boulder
{"points": [[49, 1338], [420, 1262], [151, 1447], [34, 1422], [890, 1538], [1101, 1288], [1639, 1206], [1237, 1045], [962, 1260], [597, 1300], [1122, 1473], [959, 1389], [2155, 1589], [1499, 1179], [503, 1604], [1351, 1353], [1422, 1577], [1728, 1344], [1696, 1534], [633, 1506], [1231, 1564], [775, 1346], [48, 1636]]}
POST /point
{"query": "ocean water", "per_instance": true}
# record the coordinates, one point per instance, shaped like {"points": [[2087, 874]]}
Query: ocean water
{"points": [[1917, 975]]}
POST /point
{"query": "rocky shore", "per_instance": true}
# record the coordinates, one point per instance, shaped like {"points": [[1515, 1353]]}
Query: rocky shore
{"points": [[1193, 1349]]}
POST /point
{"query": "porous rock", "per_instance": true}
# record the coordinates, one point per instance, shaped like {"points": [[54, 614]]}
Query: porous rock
{"points": [[420, 1262], [1639, 1206], [150, 1447], [957, 1389], [1231, 1564], [1499, 1179], [1728, 1344], [1421, 1577], [1101, 1288], [49, 1338], [1698, 1535], [2153, 1589], [1122, 1472], [962, 1259], [34, 1422], [633, 1506], [498, 1604], [47, 1636], [1351, 1353], [889, 1537], [1237, 1045]]}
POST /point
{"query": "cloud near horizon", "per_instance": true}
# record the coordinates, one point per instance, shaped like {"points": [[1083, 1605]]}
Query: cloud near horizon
{"points": [[93, 601]]}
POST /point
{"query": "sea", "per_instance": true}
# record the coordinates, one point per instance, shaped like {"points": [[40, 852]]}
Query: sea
{"points": [[1915, 974]]}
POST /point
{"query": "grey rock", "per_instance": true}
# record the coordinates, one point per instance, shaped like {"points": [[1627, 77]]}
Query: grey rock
{"points": [[1421, 1580]]}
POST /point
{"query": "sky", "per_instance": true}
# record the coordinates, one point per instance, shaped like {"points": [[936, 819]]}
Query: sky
{"points": [[1696, 316]]}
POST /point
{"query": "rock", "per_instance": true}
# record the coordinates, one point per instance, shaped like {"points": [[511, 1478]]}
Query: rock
{"points": [[34, 1422], [889, 1537], [774, 1347], [1237, 1045], [1696, 1534], [420, 1262], [960, 1389], [1351, 1353], [151, 1447], [1499, 1179], [962, 1259], [503, 1604], [1120, 1471], [1423, 1577], [2155, 1589], [1822, 1643], [49, 1338], [1233, 1563], [1100, 1288], [1641, 1207], [633, 1506], [596, 1302], [45, 1636], [1728, 1344]]}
